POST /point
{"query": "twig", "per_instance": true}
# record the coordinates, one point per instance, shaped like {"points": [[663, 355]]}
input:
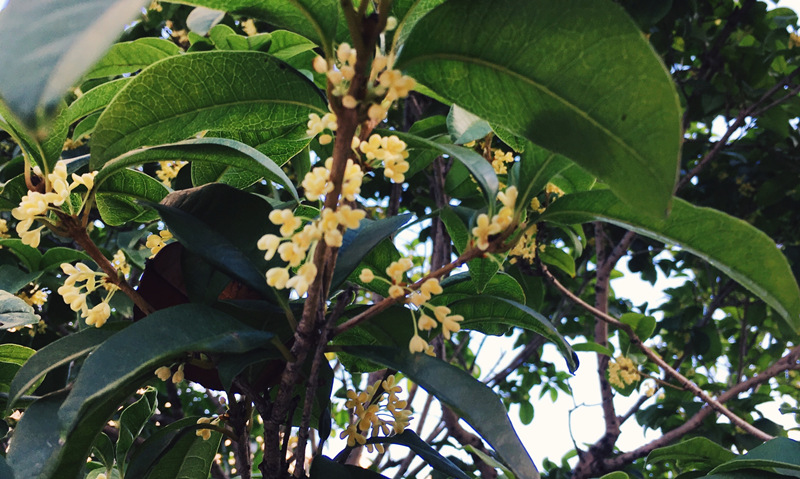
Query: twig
{"points": [[686, 383]]}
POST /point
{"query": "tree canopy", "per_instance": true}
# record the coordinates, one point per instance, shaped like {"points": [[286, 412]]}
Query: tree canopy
{"points": [[206, 206]]}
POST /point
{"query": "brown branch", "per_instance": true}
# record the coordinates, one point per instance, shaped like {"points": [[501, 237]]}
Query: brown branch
{"points": [[78, 233], [652, 356]]}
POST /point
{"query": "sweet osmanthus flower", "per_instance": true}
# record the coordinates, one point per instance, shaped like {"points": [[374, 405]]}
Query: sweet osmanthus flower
{"points": [[35, 205], [622, 372], [157, 241], [76, 295], [485, 227], [366, 408]]}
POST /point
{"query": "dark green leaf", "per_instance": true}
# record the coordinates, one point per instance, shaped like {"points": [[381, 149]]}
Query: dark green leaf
{"points": [[315, 19], [325, 468], [36, 439], [94, 100], [5, 469], [465, 127], [234, 90], [134, 353], [103, 450], [191, 458], [12, 356], [29, 256], [357, 243], [128, 57], [697, 452], [455, 228], [220, 151], [735, 247], [779, 453], [131, 422], [48, 45], [54, 257], [58, 353], [525, 412], [118, 196], [493, 315], [537, 166], [431, 456], [553, 256], [14, 312], [616, 475], [462, 286], [86, 126], [618, 116], [177, 436], [408, 13], [473, 401], [13, 279], [377, 260]]}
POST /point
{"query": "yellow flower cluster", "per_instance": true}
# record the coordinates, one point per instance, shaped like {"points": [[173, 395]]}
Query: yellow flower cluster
{"points": [[33, 296], [365, 408], [295, 245], [35, 205], [391, 151], [156, 242], [317, 125], [485, 227], [419, 298], [4, 229], [120, 263], [525, 248], [622, 372], [168, 171], [165, 373], [75, 296], [500, 160], [206, 433]]}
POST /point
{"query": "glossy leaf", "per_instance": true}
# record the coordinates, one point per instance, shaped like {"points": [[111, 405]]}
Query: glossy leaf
{"points": [[103, 450], [172, 437], [462, 286], [134, 353], [14, 312], [200, 220], [58, 353], [315, 19], [118, 197], [408, 13], [478, 405], [35, 438], [128, 57], [553, 256], [692, 453], [535, 169], [781, 453], [219, 151], [494, 315], [356, 244], [431, 456], [54, 257], [131, 422], [742, 252], [465, 127], [48, 45], [12, 356], [94, 100], [190, 460], [326, 468], [30, 257], [377, 260], [229, 90], [618, 116]]}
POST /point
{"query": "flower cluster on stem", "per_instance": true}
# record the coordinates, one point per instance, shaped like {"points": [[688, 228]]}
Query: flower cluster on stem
{"points": [[76, 295], [366, 408]]}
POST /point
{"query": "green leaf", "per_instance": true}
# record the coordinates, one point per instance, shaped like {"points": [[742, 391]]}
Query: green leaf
{"points": [[378, 259], [103, 450], [14, 312], [315, 19], [526, 412], [13, 279], [455, 228], [94, 100], [48, 45], [131, 422], [473, 401], [491, 461], [54, 257], [535, 169], [30, 257], [58, 353], [219, 151], [128, 57], [287, 45], [431, 456], [356, 244], [35, 438], [86, 126], [200, 219], [118, 196], [616, 475], [325, 468], [738, 249], [557, 257], [172, 438], [462, 286], [191, 458], [591, 346], [408, 13], [5, 469], [233, 90], [131, 355], [581, 81], [697, 452], [465, 127], [493, 315], [781, 453], [12, 356]]}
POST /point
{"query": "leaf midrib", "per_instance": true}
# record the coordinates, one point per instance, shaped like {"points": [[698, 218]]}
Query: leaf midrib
{"points": [[503, 69]]}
